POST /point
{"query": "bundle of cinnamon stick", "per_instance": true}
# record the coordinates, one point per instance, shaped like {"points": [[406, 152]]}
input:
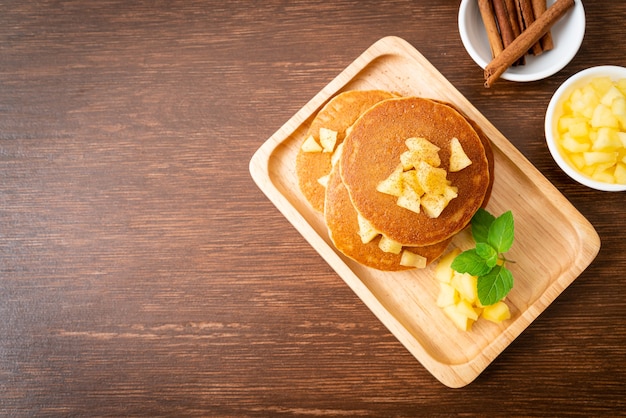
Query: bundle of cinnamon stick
{"points": [[516, 28]]}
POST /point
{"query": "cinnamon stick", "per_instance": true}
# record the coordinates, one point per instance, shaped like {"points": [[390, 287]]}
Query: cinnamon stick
{"points": [[489, 20], [527, 15], [512, 14], [502, 17], [522, 43], [539, 7]]}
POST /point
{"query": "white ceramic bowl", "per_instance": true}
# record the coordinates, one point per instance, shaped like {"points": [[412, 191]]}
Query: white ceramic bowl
{"points": [[555, 110], [567, 33]]}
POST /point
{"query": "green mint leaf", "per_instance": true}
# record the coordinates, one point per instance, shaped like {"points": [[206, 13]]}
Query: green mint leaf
{"points": [[494, 285], [470, 262], [481, 221], [501, 232], [487, 253]]}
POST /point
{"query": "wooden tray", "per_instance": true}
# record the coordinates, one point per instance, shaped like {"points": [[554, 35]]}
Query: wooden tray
{"points": [[554, 243]]}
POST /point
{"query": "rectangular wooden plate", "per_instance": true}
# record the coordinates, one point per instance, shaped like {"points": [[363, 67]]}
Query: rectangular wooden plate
{"points": [[554, 243]]}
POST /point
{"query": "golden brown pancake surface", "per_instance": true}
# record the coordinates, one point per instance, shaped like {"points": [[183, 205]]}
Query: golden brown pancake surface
{"points": [[343, 228], [338, 115], [372, 152]]}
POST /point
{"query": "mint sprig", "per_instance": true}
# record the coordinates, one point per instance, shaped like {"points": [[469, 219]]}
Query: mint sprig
{"points": [[493, 236]]}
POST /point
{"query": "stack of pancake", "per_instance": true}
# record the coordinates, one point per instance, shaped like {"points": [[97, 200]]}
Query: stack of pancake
{"points": [[356, 142]]}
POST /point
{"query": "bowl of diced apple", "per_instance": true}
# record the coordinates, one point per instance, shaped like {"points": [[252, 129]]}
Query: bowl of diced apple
{"points": [[585, 127]]}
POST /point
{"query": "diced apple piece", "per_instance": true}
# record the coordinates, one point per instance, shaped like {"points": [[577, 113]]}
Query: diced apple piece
{"points": [[497, 312], [601, 85], [388, 245], [433, 204], [575, 102], [451, 192], [409, 200], [465, 308], [328, 139], [458, 158], [565, 122], [611, 94], [607, 140], [467, 285], [431, 179], [410, 180], [579, 129], [595, 157], [603, 117], [408, 161], [421, 149], [366, 231], [620, 173], [577, 160], [323, 180], [448, 295], [461, 321], [410, 259], [337, 154], [443, 271], [587, 170], [603, 176], [392, 185], [622, 137], [621, 85], [573, 145], [311, 145], [590, 101], [411, 158], [600, 167]]}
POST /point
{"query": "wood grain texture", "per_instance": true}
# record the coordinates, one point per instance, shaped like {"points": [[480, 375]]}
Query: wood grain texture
{"points": [[142, 272]]}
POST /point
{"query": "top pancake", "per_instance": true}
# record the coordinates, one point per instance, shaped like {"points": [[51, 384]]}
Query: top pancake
{"points": [[338, 115], [372, 152]]}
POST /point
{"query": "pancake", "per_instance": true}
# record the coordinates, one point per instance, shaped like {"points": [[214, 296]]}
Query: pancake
{"points": [[372, 152], [338, 115], [343, 228]]}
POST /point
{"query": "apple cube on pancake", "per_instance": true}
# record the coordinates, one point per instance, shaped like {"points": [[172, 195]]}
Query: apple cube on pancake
{"points": [[420, 149], [323, 181], [328, 139], [458, 158], [409, 199], [336, 155], [410, 180], [366, 230], [432, 179], [392, 185], [435, 203], [410, 259], [389, 246], [311, 145]]}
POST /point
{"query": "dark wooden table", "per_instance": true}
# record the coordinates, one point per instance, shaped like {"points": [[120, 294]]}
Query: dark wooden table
{"points": [[144, 273]]}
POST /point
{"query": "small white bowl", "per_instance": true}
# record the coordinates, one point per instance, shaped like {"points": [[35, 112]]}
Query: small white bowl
{"points": [[568, 34], [555, 110]]}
